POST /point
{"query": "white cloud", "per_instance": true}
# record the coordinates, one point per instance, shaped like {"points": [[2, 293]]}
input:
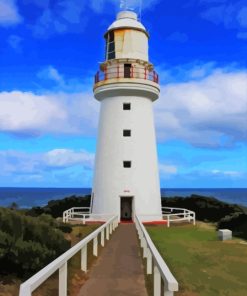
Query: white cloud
{"points": [[9, 13], [211, 112], [29, 114], [67, 157], [166, 169], [50, 73], [35, 164], [208, 111], [232, 174]]}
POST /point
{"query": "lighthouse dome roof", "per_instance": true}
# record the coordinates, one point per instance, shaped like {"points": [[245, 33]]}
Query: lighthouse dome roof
{"points": [[127, 19]]}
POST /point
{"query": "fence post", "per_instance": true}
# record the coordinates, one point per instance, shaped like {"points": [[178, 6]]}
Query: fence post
{"points": [[194, 219], [157, 281], [25, 291], [63, 280], [102, 241], [168, 293], [168, 221], [84, 258], [149, 261], [107, 232], [95, 246], [145, 249]]}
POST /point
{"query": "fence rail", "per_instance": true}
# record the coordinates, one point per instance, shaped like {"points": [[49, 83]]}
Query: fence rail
{"points": [[155, 263], [70, 213], [178, 214], [60, 263], [119, 71]]}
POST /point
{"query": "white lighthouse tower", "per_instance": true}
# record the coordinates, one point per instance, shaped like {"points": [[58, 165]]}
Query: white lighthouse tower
{"points": [[126, 178]]}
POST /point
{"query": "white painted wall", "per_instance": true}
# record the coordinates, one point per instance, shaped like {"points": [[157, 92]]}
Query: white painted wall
{"points": [[111, 179]]}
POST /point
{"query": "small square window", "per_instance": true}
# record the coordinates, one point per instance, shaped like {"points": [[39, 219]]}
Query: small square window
{"points": [[127, 133], [126, 106], [127, 164]]}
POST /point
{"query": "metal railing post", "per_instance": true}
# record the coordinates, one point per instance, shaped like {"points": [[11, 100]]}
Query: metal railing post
{"points": [[63, 280]]}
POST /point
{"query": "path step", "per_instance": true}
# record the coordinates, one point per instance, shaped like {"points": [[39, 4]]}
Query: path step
{"points": [[118, 271]]}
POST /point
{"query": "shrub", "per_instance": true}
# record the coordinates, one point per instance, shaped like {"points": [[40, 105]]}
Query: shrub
{"points": [[28, 244], [206, 208], [236, 222]]}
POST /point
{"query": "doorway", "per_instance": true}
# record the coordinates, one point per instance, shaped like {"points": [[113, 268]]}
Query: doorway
{"points": [[126, 208]]}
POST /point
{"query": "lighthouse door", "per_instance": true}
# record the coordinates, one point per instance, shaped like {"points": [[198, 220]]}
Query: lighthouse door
{"points": [[126, 208]]}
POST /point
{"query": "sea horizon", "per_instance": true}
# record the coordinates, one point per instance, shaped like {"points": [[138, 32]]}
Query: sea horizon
{"points": [[27, 197]]}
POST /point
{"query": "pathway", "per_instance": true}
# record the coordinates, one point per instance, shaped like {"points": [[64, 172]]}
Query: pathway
{"points": [[118, 271]]}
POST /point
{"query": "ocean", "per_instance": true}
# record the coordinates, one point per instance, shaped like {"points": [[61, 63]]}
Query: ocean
{"points": [[30, 197]]}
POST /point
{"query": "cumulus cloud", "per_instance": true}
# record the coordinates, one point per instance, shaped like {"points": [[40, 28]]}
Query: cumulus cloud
{"points": [[67, 157], [9, 14], [211, 112], [37, 163], [28, 114]]}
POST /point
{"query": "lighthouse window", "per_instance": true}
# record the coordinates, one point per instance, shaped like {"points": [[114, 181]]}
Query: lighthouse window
{"points": [[127, 133], [127, 164], [126, 106], [110, 46]]}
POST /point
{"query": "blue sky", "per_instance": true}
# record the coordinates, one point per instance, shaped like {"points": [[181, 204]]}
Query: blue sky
{"points": [[49, 52]]}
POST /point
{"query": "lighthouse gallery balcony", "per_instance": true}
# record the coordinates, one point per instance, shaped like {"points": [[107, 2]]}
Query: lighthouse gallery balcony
{"points": [[126, 71]]}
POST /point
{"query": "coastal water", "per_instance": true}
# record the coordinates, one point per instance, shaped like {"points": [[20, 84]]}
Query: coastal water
{"points": [[29, 197]]}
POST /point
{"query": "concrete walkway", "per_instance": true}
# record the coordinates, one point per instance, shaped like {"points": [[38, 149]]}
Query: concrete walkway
{"points": [[118, 270]]}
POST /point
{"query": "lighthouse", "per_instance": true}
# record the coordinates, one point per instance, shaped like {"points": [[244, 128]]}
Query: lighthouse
{"points": [[126, 176]]}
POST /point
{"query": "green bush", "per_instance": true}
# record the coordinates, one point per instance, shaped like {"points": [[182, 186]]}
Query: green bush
{"points": [[206, 208], [28, 244], [236, 222], [55, 208]]}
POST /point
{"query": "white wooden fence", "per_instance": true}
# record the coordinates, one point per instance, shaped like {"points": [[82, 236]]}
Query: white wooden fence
{"points": [[60, 263], [73, 212], [178, 214], [155, 263]]}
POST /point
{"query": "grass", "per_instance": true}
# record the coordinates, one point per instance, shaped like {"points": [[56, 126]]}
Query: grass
{"points": [[75, 276], [201, 264]]}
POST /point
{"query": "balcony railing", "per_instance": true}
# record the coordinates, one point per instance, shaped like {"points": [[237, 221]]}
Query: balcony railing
{"points": [[114, 72]]}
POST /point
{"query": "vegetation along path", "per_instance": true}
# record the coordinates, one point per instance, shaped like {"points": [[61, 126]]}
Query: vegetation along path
{"points": [[119, 270]]}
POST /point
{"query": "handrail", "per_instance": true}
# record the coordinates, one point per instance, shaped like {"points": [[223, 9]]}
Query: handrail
{"points": [[60, 263], [113, 72], [160, 270]]}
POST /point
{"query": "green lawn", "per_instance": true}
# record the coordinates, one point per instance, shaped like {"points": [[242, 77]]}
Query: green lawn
{"points": [[201, 264]]}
